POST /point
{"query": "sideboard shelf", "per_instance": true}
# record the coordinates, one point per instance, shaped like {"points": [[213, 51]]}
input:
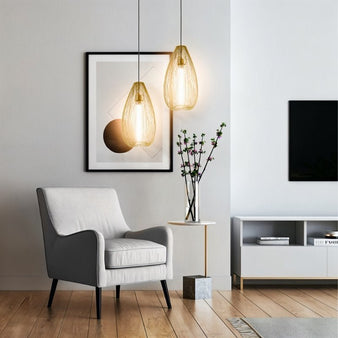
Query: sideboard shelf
{"points": [[299, 260]]}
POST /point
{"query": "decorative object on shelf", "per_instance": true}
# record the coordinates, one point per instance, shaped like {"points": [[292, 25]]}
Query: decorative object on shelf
{"points": [[138, 118], [191, 151], [108, 79], [322, 241], [263, 240], [332, 234], [180, 84]]}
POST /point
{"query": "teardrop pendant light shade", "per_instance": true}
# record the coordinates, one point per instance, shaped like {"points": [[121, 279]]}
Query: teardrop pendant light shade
{"points": [[180, 84], [138, 118]]}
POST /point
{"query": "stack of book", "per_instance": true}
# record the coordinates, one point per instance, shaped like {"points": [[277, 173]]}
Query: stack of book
{"points": [[322, 241], [273, 240]]}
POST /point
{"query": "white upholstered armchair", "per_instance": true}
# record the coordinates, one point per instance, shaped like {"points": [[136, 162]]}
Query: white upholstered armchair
{"points": [[87, 241]]}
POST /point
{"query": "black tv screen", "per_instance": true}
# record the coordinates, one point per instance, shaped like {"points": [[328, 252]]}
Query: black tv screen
{"points": [[313, 140]]}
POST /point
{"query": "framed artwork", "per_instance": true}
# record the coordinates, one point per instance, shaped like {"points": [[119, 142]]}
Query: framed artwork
{"points": [[110, 77]]}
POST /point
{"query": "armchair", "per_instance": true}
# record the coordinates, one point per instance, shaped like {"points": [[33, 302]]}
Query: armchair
{"points": [[87, 241]]}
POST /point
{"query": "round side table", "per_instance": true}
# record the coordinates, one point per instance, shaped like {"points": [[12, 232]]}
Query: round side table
{"points": [[197, 287]]}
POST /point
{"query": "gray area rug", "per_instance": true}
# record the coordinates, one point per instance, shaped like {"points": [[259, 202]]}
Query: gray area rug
{"points": [[286, 327]]}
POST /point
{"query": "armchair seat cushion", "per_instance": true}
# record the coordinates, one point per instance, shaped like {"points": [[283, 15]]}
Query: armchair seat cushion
{"points": [[127, 252]]}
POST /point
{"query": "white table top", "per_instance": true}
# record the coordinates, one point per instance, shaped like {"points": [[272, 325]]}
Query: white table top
{"points": [[200, 223]]}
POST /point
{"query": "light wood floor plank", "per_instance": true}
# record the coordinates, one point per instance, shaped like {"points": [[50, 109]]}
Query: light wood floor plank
{"points": [[331, 292], [311, 303], [219, 303], [106, 326], [154, 319], [50, 320], [129, 319], [76, 321], [322, 297], [224, 310], [183, 323], [297, 309], [269, 306], [10, 301], [207, 319], [243, 304], [25, 317]]}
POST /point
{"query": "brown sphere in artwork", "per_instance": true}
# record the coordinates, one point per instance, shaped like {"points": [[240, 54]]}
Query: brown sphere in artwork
{"points": [[112, 137]]}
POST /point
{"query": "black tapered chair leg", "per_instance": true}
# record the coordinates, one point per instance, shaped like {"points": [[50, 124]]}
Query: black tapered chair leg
{"points": [[52, 292], [118, 287], [98, 302], [166, 293]]}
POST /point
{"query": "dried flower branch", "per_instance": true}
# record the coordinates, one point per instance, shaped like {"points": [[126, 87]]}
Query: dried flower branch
{"points": [[191, 158]]}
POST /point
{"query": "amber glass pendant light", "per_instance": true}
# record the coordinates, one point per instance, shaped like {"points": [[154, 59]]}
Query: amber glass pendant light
{"points": [[138, 118], [180, 83]]}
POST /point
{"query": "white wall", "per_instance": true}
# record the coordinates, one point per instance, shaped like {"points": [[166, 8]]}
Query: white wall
{"points": [[42, 126], [280, 50]]}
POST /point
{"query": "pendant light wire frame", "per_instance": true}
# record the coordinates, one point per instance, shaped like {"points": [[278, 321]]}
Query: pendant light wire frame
{"points": [[181, 21], [138, 117], [138, 44], [180, 88]]}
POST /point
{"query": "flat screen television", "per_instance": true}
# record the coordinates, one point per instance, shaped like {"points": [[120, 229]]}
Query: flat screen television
{"points": [[313, 140]]}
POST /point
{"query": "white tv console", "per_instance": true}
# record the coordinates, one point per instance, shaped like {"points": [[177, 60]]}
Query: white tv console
{"points": [[295, 261]]}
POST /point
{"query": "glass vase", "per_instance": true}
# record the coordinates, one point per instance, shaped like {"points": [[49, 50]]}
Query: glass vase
{"points": [[192, 200]]}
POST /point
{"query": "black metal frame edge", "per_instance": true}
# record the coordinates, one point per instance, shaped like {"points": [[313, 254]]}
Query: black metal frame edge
{"points": [[87, 55], [289, 153]]}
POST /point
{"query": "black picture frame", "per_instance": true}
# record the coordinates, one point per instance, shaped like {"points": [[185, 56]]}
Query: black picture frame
{"points": [[153, 74]]}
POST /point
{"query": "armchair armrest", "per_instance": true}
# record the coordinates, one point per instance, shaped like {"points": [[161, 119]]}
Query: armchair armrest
{"points": [[161, 235], [78, 257]]}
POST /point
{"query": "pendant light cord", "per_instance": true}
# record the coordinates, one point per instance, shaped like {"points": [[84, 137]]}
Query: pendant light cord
{"points": [[138, 43], [181, 19]]}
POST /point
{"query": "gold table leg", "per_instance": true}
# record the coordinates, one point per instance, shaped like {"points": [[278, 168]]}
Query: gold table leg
{"points": [[205, 250]]}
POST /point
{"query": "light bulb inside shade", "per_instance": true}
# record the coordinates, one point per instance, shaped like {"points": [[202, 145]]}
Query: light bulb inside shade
{"points": [[138, 118], [180, 84], [180, 88]]}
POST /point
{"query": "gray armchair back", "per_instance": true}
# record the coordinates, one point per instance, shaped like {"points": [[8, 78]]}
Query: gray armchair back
{"points": [[72, 210]]}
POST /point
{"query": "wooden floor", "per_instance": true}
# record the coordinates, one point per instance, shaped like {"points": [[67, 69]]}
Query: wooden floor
{"points": [[143, 313]]}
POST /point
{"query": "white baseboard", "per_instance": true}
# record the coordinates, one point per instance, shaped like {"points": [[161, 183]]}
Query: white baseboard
{"points": [[37, 282]]}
